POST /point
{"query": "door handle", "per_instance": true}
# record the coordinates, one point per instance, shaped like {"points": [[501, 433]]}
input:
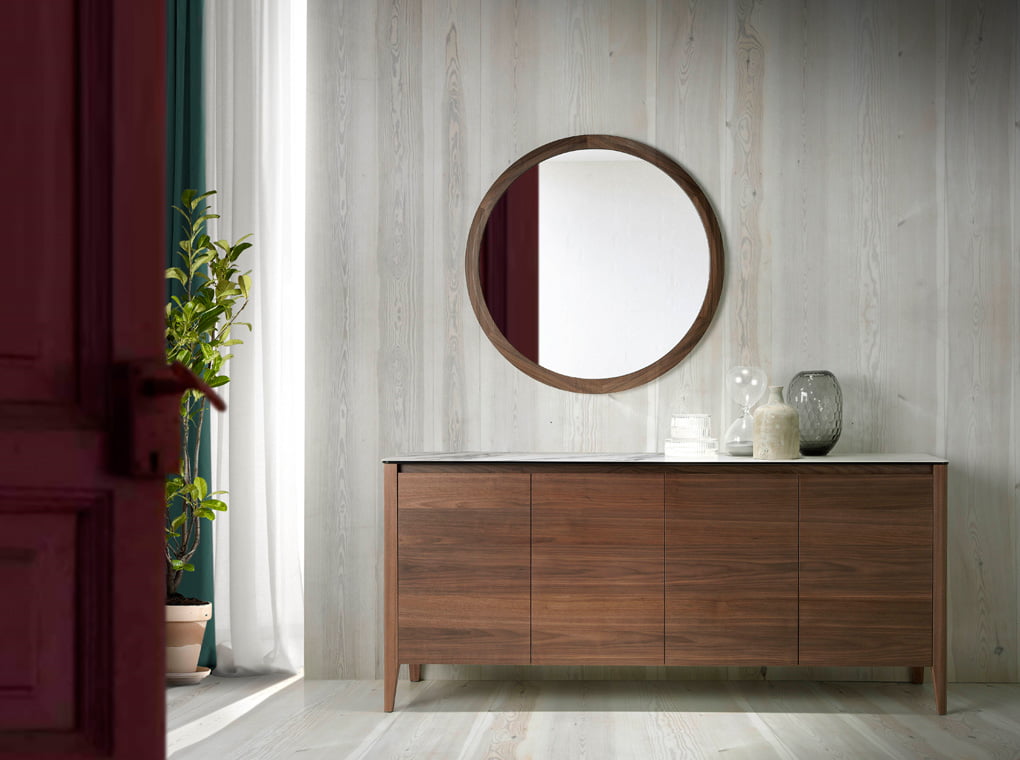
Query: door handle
{"points": [[145, 430], [182, 379]]}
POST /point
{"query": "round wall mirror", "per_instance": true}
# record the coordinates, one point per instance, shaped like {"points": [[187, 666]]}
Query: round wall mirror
{"points": [[594, 263]]}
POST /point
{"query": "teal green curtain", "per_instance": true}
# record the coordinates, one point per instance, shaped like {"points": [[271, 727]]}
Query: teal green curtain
{"points": [[185, 123]]}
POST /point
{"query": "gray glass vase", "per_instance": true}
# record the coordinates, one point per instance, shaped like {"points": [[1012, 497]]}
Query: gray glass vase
{"points": [[818, 399]]}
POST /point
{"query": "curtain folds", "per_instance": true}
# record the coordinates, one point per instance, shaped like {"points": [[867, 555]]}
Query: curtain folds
{"points": [[185, 134], [255, 105]]}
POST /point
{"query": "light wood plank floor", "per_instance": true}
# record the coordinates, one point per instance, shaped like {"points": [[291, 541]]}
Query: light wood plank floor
{"points": [[288, 717]]}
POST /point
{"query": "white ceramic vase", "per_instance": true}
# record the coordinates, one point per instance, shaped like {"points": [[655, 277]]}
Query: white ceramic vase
{"points": [[776, 428]]}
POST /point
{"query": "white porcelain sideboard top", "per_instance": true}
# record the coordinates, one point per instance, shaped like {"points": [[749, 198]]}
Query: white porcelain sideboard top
{"points": [[652, 458]]}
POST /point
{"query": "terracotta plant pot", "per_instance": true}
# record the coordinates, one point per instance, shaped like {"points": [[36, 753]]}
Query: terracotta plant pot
{"points": [[185, 628]]}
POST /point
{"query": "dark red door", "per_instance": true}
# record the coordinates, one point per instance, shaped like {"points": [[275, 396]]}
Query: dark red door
{"points": [[81, 199]]}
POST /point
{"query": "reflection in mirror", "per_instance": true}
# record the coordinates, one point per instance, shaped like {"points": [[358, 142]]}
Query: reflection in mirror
{"points": [[598, 263]]}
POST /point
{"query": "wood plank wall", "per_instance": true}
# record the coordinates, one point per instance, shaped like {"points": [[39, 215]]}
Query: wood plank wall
{"points": [[864, 160]]}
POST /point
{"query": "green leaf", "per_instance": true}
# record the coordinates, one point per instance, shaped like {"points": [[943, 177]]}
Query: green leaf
{"points": [[195, 200], [245, 282], [226, 288], [216, 504], [179, 521], [219, 380], [176, 273], [205, 258], [201, 487], [172, 486], [208, 514], [209, 319], [238, 248]]}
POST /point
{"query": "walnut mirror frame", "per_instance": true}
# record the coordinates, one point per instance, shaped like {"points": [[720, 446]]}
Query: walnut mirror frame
{"points": [[684, 345]]}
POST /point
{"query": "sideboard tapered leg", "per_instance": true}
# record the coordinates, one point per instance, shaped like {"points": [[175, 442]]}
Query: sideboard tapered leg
{"points": [[391, 666], [916, 675], [414, 672], [938, 668], [390, 685], [938, 677]]}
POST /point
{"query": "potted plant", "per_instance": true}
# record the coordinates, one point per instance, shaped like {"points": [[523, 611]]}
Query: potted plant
{"points": [[200, 318]]}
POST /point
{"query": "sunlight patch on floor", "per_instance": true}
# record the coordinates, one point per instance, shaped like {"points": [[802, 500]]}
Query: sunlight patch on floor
{"points": [[201, 729]]}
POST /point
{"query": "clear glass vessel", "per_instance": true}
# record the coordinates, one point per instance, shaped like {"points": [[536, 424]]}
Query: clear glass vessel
{"points": [[746, 386]]}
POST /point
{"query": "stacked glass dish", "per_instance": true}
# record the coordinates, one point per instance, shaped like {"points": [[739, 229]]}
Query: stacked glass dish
{"points": [[691, 436]]}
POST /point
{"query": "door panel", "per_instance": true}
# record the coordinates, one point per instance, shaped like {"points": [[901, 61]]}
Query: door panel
{"points": [[464, 575], [731, 570], [866, 570], [866, 631], [37, 360], [597, 569], [83, 154], [37, 558]]}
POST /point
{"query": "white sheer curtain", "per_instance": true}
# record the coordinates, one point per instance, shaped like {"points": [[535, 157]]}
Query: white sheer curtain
{"points": [[255, 136]]}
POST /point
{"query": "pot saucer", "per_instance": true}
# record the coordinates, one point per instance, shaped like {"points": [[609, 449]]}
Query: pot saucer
{"points": [[182, 679]]}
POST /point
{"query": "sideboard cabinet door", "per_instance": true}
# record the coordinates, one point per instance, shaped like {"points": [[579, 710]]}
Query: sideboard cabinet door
{"points": [[731, 569], [464, 568], [866, 569], [597, 569]]}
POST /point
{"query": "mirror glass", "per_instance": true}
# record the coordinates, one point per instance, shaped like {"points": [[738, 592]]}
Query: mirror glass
{"points": [[594, 265]]}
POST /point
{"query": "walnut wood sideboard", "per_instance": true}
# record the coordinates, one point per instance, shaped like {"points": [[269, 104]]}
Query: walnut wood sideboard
{"points": [[640, 560]]}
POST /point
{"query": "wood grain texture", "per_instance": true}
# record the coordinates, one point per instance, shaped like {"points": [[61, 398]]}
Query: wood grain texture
{"points": [[866, 570], [865, 631], [344, 423], [691, 45], [755, 720], [748, 311], [1015, 325], [849, 570], [980, 132], [464, 569], [622, 509], [735, 584], [597, 569], [862, 159], [451, 55], [868, 510], [731, 570]]}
